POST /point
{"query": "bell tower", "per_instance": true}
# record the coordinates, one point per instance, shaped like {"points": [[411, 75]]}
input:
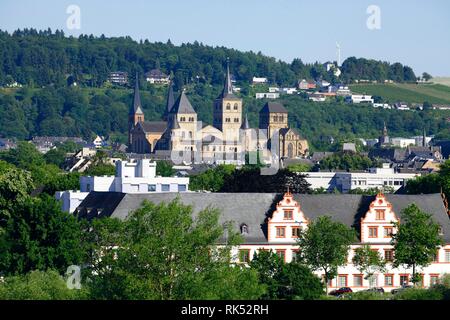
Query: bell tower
{"points": [[228, 110]]}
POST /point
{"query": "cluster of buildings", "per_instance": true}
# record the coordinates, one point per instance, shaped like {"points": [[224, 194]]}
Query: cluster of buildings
{"points": [[186, 139]]}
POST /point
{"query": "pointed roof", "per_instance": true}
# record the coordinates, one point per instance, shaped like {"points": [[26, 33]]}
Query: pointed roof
{"points": [[227, 92], [137, 106], [245, 125], [174, 123], [385, 133], [170, 99], [182, 105]]}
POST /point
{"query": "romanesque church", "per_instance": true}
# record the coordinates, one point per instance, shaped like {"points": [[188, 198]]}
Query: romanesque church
{"points": [[227, 140]]}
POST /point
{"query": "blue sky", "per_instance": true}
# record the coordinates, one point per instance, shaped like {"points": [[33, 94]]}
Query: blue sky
{"points": [[413, 32]]}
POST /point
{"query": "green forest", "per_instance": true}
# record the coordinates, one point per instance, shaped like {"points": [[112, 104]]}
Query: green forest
{"points": [[45, 63]]}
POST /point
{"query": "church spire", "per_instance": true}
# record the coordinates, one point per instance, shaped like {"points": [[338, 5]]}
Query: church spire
{"points": [[228, 88], [385, 133], [137, 106], [170, 100]]}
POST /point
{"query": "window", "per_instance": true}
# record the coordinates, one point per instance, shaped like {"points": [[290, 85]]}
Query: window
{"points": [[165, 187], [447, 255], [244, 255], [227, 120], [182, 119], [342, 280], [88, 187], [373, 281], [389, 280], [388, 231], [288, 214], [434, 279], [228, 106], [181, 188], [295, 232], [236, 119], [379, 214], [235, 107], [281, 232], [373, 232], [358, 280], [282, 254], [152, 187], [389, 255], [404, 279]]}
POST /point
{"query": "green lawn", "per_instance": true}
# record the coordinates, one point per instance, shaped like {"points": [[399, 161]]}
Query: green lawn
{"points": [[407, 92]]}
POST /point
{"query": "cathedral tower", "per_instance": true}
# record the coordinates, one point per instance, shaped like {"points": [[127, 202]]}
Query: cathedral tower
{"points": [[228, 110]]}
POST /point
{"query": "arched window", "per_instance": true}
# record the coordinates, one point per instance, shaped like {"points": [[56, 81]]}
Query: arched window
{"points": [[244, 229], [235, 106], [228, 106]]}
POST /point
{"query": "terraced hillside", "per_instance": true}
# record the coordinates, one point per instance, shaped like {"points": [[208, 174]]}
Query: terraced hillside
{"points": [[407, 92]]}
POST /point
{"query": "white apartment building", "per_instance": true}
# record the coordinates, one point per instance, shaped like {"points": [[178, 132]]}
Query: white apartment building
{"points": [[359, 98], [259, 80], [346, 181], [403, 142], [267, 95], [135, 176]]}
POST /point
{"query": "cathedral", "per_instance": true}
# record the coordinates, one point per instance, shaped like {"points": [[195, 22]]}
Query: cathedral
{"points": [[226, 141]]}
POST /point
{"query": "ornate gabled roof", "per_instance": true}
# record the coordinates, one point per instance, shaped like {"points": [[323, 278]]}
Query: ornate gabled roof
{"points": [[273, 107], [137, 106], [252, 209], [182, 105]]}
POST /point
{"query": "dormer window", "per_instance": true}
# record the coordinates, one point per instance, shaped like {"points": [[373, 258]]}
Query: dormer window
{"points": [[244, 229]]}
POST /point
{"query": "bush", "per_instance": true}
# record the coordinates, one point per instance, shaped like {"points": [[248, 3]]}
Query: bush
{"points": [[38, 285], [419, 294], [364, 295]]}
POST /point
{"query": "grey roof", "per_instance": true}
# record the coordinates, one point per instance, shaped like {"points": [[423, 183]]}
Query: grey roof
{"points": [[182, 105], [137, 106], [174, 123], [273, 107], [153, 126], [245, 124], [170, 100], [253, 209]]}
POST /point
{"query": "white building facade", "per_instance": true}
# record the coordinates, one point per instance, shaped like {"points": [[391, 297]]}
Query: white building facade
{"points": [[345, 181], [376, 230], [135, 176]]}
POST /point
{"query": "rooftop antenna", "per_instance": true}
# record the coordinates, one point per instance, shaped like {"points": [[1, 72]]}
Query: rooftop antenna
{"points": [[338, 53]]}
